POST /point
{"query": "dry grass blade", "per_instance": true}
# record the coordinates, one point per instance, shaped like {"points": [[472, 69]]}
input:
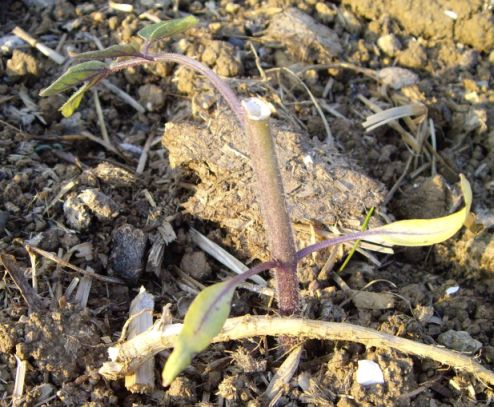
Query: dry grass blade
{"points": [[283, 376], [123, 95], [381, 118], [406, 136], [222, 255], [101, 118], [84, 289], [329, 136], [20, 378]]}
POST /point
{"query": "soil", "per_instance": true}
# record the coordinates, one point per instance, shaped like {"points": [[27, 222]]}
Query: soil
{"points": [[121, 225]]}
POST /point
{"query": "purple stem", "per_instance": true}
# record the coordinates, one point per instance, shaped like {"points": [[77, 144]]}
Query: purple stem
{"points": [[269, 185], [225, 91]]}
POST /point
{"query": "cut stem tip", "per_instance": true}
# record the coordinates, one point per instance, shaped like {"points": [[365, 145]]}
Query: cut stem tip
{"points": [[256, 109]]}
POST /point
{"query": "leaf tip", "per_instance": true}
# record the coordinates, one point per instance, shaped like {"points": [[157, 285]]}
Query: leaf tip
{"points": [[179, 359]]}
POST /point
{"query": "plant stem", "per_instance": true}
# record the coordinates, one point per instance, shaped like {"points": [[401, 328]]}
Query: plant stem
{"points": [[225, 90], [255, 122], [272, 202]]}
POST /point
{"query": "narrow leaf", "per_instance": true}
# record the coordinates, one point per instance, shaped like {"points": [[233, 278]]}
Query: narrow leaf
{"points": [[70, 106], [423, 232], [73, 76], [203, 321], [163, 29], [115, 51]]}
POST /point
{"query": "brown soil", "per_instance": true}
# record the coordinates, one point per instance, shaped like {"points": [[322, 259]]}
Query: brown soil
{"points": [[84, 201]]}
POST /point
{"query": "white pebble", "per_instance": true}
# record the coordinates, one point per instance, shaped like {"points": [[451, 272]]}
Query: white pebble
{"points": [[369, 373], [452, 290]]}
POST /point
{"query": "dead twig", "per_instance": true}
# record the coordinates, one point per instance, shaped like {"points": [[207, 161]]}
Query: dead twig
{"points": [[126, 357], [63, 263]]}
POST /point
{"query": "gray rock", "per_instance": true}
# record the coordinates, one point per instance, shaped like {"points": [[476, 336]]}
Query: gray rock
{"points": [[127, 255], [460, 341]]}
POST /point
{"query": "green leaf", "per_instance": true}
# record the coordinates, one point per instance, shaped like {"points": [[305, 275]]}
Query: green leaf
{"points": [[73, 76], [70, 106], [115, 51], [203, 321], [163, 29], [423, 232]]}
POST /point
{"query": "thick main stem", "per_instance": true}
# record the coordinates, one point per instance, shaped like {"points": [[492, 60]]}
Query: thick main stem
{"points": [[253, 116], [271, 199]]}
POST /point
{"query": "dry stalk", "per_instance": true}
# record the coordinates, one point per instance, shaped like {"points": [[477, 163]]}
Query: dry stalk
{"points": [[127, 356], [64, 263], [141, 310], [53, 55]]}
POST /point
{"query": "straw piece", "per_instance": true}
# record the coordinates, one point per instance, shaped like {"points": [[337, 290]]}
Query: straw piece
{"points": [[52, 54], [222, 255], [141, 312]]}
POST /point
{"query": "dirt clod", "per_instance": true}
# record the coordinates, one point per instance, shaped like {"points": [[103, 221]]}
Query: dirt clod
{"points": [[127, 254], [304, 38], [22, 64], [76, 213], [101, 205], [196, 265]]}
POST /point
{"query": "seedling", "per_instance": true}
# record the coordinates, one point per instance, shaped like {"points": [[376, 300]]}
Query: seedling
{"points": [[211, 307]]}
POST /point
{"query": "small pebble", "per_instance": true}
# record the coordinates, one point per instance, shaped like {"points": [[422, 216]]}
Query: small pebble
{"points": [[389, 44], [113, 175], [369, 373], [397, 78], [152, 97], [325, 13], [196, 265], [414, 56], [460, 341]]}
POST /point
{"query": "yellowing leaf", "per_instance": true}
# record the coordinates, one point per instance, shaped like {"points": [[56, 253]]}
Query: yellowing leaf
{"points": [[73, 76], [163, 29], [203, 321], [423, 232], [70, 106]]}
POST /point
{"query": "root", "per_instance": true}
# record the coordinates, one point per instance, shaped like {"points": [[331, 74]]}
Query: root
{"points": [[127, 356]]}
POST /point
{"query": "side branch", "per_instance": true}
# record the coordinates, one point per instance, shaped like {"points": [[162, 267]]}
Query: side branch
{"points": [[129, 355]]}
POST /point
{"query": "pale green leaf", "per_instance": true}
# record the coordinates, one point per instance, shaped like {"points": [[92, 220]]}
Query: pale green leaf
{"points": [[73, 76], [203, 321], [70, 106], [115, 51], [163, 29], [423, 232]]}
